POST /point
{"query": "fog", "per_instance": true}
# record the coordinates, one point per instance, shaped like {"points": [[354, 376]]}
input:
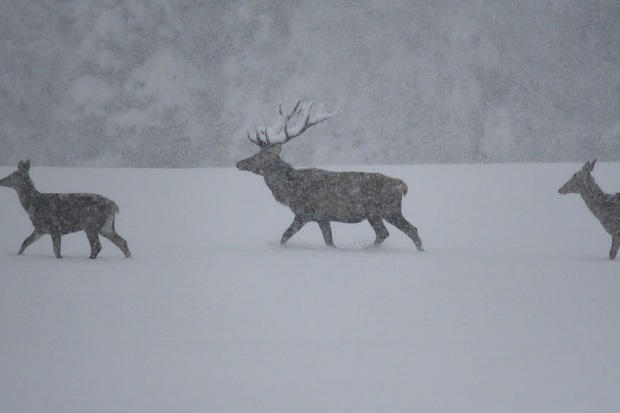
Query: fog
{"points": [[177, 83]]}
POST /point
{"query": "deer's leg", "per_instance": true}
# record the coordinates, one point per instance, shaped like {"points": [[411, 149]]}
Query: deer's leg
{"points": [[295, 226], [380, 230], [399, 221], [326, 229], [56, 243], [32, 238], [615, 244], [95, 245], [110, 233], [117, 240]]}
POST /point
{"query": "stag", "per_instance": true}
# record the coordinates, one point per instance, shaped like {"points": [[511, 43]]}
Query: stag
{"points": [[323, 196], [605, 207], [60, 214]]}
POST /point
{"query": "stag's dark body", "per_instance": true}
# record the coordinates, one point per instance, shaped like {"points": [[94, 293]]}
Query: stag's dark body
{"points": [[61, 214], [605, 207], [316, 195]]}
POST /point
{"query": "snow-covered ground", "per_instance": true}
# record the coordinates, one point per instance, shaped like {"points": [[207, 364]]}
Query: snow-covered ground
{"points": [[514, 306]]}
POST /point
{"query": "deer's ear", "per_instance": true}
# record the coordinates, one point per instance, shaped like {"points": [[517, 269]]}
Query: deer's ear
{"points": [[24, 166]]}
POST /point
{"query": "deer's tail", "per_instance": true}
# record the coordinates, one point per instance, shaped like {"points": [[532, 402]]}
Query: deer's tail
{"points": [[115, 208], [401, 186]]}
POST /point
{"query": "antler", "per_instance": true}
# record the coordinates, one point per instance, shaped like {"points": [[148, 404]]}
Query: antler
{"points": [[281, 131]]}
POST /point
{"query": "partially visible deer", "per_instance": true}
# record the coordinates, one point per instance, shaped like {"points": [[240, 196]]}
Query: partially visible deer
{"points": [[605, 207], [60, 214], [324, 196]]}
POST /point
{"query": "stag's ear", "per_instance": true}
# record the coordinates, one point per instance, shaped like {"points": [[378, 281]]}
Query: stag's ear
{"points": [[24, 166]]}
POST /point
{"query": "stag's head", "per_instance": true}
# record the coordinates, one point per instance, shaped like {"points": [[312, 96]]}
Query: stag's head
{"points": [[19, 177], [581, 179], [270, 139]]}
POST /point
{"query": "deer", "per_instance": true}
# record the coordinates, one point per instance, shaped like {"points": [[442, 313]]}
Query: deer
{"points": [[58, 214], [605, 207], [321, 196]]}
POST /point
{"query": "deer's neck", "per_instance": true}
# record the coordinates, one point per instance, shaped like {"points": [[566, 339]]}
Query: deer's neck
{"points": [[27, 194], [598, 202], [282, 179]]}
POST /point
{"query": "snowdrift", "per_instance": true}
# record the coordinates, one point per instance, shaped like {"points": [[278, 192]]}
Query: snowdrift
{"points": [[513, 307]]}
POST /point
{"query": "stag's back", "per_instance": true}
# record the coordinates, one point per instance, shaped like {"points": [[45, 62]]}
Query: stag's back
{"points": [[346, 196]]}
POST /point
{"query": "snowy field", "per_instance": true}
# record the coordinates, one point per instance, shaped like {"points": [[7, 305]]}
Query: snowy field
{"points": [[514, 306]]}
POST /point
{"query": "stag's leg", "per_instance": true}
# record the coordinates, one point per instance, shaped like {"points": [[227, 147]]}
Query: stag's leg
{"points": [[326, 229], [380, 230], [295, 226], [95, 245], [32, 238], [615, 244], [399, 221], [117, 240], [56, 244]]}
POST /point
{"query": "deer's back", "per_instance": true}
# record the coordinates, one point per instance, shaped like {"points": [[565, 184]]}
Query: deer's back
{"points": [[65, 213], [347, 196], [608, 213]]}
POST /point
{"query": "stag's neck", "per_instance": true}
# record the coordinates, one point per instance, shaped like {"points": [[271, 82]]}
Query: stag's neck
{"points": [[281, 178], [27, 193]]}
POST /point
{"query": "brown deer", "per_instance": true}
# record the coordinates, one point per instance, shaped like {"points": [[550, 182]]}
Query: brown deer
{"points": [[60, 214], [324, 196], [605, 207]]}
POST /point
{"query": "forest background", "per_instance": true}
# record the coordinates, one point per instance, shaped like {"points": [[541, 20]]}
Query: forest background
{"points": [[176, 83]]}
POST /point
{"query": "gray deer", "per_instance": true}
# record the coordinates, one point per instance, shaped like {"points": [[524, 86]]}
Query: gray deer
{"points": [[605, 207], [324, 196], [60, 214]]}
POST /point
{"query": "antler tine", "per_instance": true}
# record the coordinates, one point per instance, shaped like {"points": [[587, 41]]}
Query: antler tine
{"points": [[258, 141], [282, 130], [307, 122], [266, 135], [295, 109]]}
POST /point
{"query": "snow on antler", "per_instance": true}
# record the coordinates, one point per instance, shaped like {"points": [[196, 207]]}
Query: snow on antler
{"points": [[289, 125]]}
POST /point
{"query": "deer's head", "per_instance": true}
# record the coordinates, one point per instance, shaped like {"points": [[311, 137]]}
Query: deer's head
{"points": [[271, 139], [19, 177], [259, 163], [579, 180]]}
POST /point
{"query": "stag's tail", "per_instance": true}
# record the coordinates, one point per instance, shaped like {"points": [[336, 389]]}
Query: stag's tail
{"points": [[401, 186]]}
